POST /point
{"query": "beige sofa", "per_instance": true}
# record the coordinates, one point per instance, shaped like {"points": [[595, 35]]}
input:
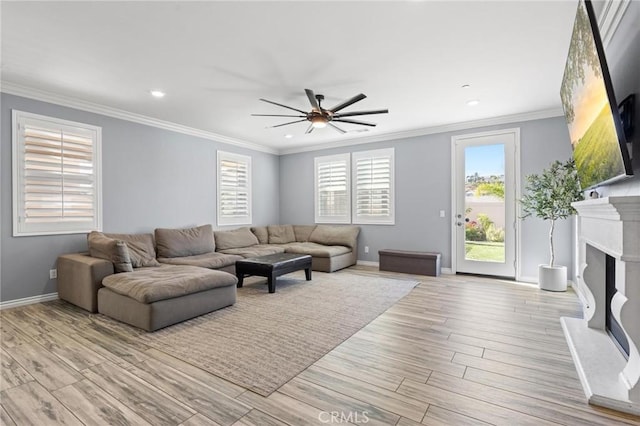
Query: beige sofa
{"points": [[121, 277], [331, 247], [155, 280]]}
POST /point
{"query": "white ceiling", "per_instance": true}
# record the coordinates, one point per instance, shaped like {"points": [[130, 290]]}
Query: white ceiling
{"points": [[216, 59]]}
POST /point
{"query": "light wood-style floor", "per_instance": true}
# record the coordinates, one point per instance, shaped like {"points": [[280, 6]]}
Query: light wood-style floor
{"points": [[458, 350]]}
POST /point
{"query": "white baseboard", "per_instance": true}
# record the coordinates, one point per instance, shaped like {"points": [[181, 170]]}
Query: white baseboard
{"points": [[28, 301], [443, 271], [526, 279]]}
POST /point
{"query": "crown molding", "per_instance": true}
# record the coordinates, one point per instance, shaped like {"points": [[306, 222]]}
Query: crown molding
{"points": [[610, 18], [505, 119], [70, 102]]}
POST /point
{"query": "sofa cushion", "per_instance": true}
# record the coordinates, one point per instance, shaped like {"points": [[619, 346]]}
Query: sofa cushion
{"points": [[317, 250], [261, 233], [255, 251], [141, 248], [281, 234], [184, 242], [335, 235], [150, 285], [115, 251], [236, 238], [213, 260], [303, 232]]}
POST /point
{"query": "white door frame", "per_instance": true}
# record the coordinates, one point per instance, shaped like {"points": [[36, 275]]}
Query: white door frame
{"points": [[517, 224]]}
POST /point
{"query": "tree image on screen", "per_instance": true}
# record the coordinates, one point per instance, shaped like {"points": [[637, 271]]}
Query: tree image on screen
{"points": [[587, 108]]}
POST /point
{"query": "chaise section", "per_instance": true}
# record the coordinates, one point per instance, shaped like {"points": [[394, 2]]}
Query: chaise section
{"points": [[153, 298]]}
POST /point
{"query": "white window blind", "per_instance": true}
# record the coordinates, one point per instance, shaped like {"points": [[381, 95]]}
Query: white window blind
{"points": [[234, 189], [332, 189], [56, 176], [373, 181]]}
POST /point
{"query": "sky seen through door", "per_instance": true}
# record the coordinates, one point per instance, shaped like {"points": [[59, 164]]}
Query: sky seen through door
{"points": [[486, 160]]}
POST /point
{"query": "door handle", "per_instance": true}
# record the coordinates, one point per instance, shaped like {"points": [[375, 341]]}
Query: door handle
{"points": [[459, 223]]}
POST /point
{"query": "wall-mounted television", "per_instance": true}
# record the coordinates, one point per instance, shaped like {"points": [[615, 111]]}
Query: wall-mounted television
{"points": [[590, 108]]}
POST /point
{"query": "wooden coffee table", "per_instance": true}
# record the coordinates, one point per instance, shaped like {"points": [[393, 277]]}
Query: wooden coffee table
{"points": [[272, 266]]}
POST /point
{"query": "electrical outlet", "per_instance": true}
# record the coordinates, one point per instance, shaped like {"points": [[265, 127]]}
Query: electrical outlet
{"points": [[366, 249], [53, 274], [441, 213]]}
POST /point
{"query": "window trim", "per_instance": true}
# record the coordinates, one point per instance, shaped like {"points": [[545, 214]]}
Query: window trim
{"points": [[346, 218], [245, 220], [384, 152], [17, 174]]}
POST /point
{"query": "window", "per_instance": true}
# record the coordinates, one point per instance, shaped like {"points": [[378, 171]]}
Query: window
{"points": [[373, 183], [332, 189], [234, 189], [56, 176]]}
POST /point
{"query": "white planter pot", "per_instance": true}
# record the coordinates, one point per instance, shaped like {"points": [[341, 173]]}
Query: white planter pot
{"points": [[552, 278]]}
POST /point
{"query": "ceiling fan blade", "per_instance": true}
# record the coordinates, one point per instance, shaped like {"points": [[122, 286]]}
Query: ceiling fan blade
{"points": [[310, 129], [348, 102], [312, 99], [286, 124], [337, 128], [276, 115], [283, 106], [373, 111], [364, 123]]}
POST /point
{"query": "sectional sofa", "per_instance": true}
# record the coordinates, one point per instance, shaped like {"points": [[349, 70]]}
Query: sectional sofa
{"points": [[155, 280]]}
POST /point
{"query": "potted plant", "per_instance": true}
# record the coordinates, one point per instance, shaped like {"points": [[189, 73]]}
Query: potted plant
{"points": [[549, 196]]}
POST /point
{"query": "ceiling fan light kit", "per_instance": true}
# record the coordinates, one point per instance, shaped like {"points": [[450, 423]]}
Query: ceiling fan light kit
{"points": [[320, 117]]}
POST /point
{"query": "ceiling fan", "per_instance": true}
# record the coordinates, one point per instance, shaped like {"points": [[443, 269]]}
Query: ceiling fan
{"points": [[320, 117]]}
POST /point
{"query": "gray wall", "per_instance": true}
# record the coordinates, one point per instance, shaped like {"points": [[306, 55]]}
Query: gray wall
{"points": [[151, 178], [423, 188]]}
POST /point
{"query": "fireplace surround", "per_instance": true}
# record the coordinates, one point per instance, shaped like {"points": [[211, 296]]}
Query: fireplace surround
{"points": [[608, 227]]}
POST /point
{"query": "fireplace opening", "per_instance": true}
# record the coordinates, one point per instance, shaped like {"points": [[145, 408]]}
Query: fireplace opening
{"points": [[613, 327]]}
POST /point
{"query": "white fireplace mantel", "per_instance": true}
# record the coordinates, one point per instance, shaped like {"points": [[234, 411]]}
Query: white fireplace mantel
{"points": [[610, 226]]}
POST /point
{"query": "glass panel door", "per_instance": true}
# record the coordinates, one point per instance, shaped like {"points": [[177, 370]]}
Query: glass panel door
{"points": [[484, 203]]}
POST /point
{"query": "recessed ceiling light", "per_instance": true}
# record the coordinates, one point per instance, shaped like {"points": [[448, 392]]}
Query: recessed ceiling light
{"points": [[157, 93], [466, 86], [473, 102], [288, 136]]}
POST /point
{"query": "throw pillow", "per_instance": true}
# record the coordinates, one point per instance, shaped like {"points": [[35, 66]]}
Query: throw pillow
{"points": [[281, 234], [237, 238], [261, 233], [185, 242], [141, 248], [115, 251]]}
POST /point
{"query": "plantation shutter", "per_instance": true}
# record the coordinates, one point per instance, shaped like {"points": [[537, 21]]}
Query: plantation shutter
{"points": [[332, 189], [234, 189], [56, 179], [373, 200]]}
